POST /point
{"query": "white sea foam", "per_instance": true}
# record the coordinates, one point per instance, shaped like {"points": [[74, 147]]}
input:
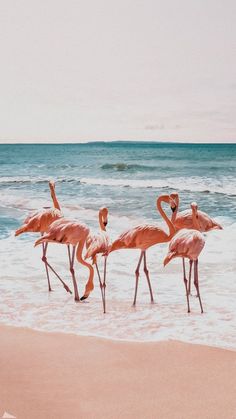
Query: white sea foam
{"points": [[197, 184], [26, 302], [226, 185]]}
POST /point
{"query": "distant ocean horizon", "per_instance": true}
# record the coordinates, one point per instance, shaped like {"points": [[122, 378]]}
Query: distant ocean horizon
{"points": [[148, 141], [127, 177]]}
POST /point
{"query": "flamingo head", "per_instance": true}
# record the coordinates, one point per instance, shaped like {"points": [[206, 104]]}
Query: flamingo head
{"points": [[174, 201], [103, 218], [194, 206]]}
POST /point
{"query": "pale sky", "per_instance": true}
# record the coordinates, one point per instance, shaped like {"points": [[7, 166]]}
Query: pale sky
{"points": [[73, 70]]}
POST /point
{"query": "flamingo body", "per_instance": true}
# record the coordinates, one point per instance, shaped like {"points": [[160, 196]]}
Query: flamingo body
{"points": [[184, 219], [141, 237], [186, 244], [39, 222], [65, 231], [97, 243]]}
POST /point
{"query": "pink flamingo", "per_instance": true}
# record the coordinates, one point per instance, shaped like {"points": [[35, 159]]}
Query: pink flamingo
{"points": [[39, 222], [184, 219], [188, 219], [187, 244], [73, 233], [142, 237], [98, 244]]}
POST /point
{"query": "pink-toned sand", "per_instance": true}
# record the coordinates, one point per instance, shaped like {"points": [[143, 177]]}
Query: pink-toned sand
{"points": [[59, 376]]}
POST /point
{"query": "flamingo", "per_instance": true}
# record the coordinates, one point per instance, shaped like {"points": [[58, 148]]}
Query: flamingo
{"points": [[187, 243], [184, 219], [65, 231], [39, 222], [98, 244], [188, 219], [142, 237]]}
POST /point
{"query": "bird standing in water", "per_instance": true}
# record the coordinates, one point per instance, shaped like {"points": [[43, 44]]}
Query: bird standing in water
{"points": [[187, 243], [39, 222], [74, 233], [98, 244], [143, 237]]}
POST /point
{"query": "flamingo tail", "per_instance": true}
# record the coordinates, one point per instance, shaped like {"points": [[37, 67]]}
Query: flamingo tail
{"points": [[21, 230], [116, 245], [41, 240]]}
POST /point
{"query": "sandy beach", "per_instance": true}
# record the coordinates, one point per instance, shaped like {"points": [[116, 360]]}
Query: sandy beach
{"points": [[50, 375]]}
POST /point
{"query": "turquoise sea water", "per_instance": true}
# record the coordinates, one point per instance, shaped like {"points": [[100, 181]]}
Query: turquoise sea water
{"points": [[126, 177]]}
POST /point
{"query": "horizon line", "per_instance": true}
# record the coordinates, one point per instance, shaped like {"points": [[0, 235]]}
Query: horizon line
{"points": [[13, 142]]}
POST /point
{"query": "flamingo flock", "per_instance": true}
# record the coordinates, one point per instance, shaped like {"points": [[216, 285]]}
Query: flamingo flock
{"points": [[184, 236]]}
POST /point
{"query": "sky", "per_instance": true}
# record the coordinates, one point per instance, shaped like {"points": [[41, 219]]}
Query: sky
{"points": [[75, 71]]}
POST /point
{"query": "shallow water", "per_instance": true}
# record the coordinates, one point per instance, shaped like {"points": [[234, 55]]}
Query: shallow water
{"points": [[126, 178]]}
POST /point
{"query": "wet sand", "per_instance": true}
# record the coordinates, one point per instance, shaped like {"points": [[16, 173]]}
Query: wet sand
{"points": [[59, 376]]}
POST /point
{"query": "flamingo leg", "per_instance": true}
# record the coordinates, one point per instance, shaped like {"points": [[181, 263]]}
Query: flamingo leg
{"points": [[137, 276], [184, 269], [196, 283], [72, 271], [101, 286], [104, 282], [69, 255], [185, 283], [147, 276], [47, 265], [44, 259], [190, 274]]}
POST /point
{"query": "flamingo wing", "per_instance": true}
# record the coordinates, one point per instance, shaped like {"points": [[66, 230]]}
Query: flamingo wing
{"points": [[140, 237], [186, 243], [39, 221], [65, 231], [184, 219], [95, 244], [207, 223]]}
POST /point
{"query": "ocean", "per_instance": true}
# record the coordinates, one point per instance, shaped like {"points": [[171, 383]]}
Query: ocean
{"points": [[126, 177]]}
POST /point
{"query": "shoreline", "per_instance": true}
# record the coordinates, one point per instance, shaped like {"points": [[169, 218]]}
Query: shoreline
{"points": [[60, 375], [121, 340]]}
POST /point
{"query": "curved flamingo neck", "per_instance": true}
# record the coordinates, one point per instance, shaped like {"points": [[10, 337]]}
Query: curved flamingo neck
{"points": [[196, 223], [174, 214], [54, 199], [164, 216], [102, 227], [89, 285]]}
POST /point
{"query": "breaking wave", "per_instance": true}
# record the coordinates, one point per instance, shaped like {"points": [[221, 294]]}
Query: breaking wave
{"points": [[225, 186], [121, 167], [196, 184]]}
